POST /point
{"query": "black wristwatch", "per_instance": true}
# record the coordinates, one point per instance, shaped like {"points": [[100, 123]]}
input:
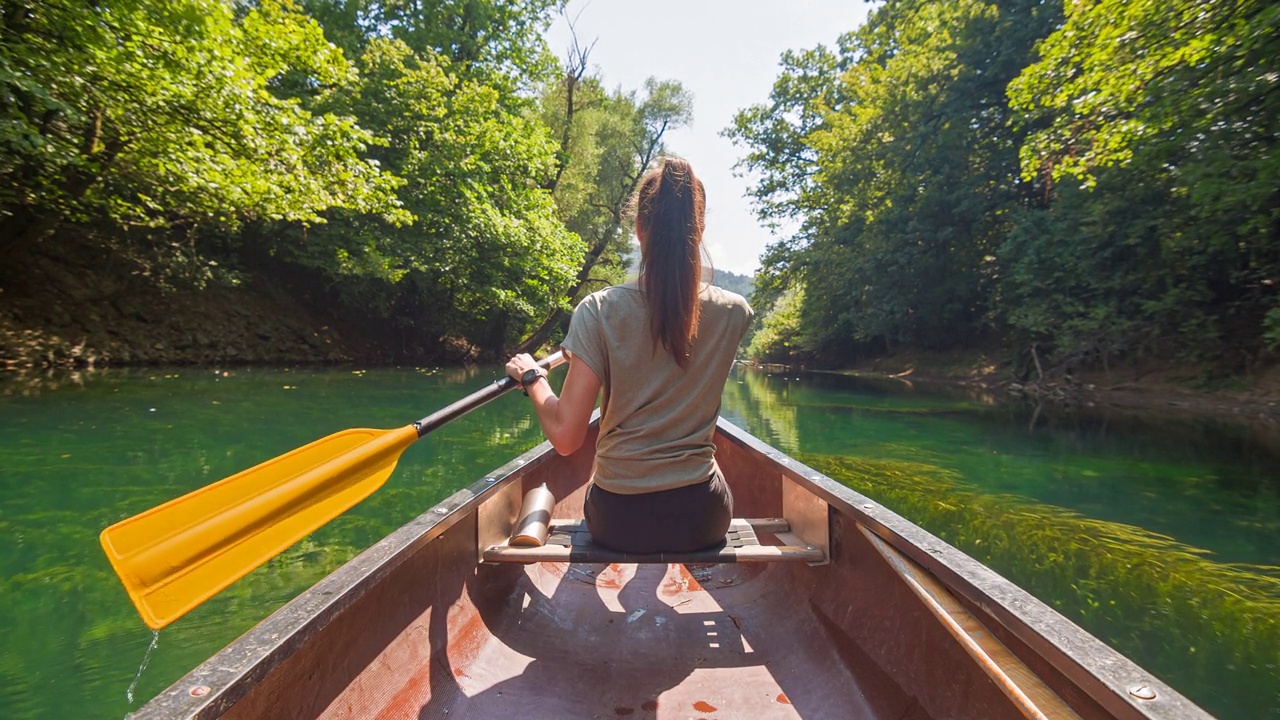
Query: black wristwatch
{"points": [[531, 376]]}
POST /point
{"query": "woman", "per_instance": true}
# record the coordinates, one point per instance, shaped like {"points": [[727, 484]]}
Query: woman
{"points": [[661, 350]]}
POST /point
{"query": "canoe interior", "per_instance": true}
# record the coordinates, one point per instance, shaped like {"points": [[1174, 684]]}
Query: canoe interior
{"points": [[436, 634]]}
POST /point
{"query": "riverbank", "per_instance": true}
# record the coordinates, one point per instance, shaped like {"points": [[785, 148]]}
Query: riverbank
{"points": [[1253, 397], [218, 326], [74, 312]]}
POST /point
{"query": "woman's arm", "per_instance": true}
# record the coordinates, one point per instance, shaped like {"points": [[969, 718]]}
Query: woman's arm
{"points": [[564, 419]]}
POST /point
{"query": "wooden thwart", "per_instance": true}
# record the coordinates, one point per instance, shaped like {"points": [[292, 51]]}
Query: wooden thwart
{"points": [[570, 541]]}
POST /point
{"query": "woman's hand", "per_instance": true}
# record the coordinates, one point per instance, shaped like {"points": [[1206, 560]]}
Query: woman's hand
{"points": [[564, 419], [517, 366]]}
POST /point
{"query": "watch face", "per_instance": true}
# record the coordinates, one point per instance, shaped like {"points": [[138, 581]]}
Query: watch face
{"points": [[529, 376]]}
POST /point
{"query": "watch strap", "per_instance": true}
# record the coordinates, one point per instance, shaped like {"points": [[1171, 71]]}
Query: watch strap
{"points": [[530, 377]]}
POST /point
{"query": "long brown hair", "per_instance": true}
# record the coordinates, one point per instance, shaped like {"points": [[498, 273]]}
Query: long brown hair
{"points": [[670, 207]]}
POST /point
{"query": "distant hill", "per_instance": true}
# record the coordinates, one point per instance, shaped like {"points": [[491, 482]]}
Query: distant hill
{"points": [[733, 282]]}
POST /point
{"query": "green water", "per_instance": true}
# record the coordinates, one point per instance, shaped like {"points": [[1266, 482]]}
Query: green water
{"points": [[79, 455]]}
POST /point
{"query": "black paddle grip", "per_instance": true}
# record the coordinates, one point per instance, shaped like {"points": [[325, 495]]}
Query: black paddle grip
{"points": [[479, 397]]}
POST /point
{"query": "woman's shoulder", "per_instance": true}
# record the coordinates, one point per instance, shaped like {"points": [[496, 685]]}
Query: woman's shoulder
{"points": [[719, 296], [613, 296]]}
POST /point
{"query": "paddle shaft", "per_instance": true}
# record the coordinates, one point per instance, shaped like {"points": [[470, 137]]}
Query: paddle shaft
{"points": [[478, 398]]}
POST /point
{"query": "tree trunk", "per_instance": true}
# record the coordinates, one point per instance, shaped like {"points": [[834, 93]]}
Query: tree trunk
{"points": [[646, 150]]}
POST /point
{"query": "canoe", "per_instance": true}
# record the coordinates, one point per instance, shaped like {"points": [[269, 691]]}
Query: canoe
{"points": [[820, 604]]}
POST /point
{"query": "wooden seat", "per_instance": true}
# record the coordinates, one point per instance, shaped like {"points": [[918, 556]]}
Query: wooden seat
{"points": [[570, 541]]}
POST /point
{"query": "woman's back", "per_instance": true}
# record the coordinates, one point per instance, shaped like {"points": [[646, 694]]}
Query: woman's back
{"points": [[657, 418], [657, 355]]}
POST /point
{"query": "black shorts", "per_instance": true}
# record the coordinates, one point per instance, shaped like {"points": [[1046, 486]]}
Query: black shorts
{"points": [[680, 520]]}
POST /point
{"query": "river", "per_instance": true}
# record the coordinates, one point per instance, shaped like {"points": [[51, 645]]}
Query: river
{"points": [[1161, 535]]}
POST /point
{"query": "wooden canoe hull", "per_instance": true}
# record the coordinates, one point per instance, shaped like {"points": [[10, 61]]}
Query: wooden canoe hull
{"points": [[897, 624]]}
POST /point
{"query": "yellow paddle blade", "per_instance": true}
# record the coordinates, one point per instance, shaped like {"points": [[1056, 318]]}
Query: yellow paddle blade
{"points": [[175, 556]]}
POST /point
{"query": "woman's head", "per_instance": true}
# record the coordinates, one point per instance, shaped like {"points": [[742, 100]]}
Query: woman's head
{"points": [[670, 208]]}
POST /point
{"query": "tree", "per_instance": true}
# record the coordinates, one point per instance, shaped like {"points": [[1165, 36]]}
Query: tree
{"points": [[1181, 96], [779, 338], [777, 135], [158, 114], [1084, 276], [896, 155], [607, 141], [382, 156], [1103, 183], [484, 248], [495, 42]]}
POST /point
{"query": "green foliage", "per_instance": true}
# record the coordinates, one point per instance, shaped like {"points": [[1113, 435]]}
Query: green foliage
{"points": [[743, 285], [1123, 78], [1080, 271], [780, 339], [162, 113], [399, 164], [776, 134], [1102, 182], [484, 245], [1168, 113], [895, 155], [608, 139], [1271, 329], [497, 42]]}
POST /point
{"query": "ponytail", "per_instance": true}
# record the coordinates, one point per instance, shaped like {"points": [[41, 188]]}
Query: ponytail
{"points": [[670, 207]]}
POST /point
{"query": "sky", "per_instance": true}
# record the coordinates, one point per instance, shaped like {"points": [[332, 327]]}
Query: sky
{"points": [[724, 52]]}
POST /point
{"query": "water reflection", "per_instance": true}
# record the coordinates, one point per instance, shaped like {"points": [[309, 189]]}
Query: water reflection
{"points": [[1208, 483], [749, 401], [35, 381]]}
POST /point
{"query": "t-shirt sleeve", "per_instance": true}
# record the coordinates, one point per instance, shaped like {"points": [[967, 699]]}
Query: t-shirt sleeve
{"points": [[584, 341], [743, 315]]}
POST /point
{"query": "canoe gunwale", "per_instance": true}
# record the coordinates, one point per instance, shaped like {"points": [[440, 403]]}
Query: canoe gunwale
{"points": [[232, 672], [1103, 673]]}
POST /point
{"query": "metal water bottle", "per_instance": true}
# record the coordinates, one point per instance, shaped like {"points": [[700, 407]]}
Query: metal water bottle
{"points": [[534, 523]]}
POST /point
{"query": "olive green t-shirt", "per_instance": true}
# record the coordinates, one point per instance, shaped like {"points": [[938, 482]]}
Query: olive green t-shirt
{"points": [[656, 418]]}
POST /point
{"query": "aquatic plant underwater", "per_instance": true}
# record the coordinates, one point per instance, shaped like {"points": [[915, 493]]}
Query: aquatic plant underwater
{"points": [[1208, 628]]}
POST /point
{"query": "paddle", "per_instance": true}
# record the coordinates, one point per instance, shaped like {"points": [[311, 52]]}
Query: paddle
{"points": [[175, 556]]}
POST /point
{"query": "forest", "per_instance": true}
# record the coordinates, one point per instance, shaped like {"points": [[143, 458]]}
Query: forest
{"points": [[428, 166], [1098, 179]]}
